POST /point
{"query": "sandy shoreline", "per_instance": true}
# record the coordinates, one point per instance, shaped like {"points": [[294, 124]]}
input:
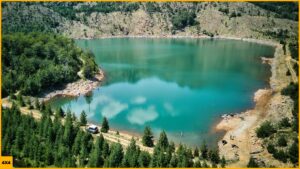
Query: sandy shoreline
{"points": [[264, 42], [240, 142], [75, 89]]}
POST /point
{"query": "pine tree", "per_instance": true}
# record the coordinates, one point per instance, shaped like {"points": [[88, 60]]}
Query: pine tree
{"points": [[172, 146], [49, 154], [131, 156], [83, 154], [48, 110], [95, 156], [18, 142], [77, 143], [116, 155], [147, 139], [106, 150], [223, 162], [105, 126], [20, 100], [184, 156], [83, 120], [205, 165], [204, 150], [60, 112], [214, 156], [74, 118], [163, 142], [197, 164], [155, 157], [42, 106], [196, 152], [12, 96], [173, 162], [144, 159], [68, 135], [28, 102], [214, 165], [37, 103], [101, 141]]}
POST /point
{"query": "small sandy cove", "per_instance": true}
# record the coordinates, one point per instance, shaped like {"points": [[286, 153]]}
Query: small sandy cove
{"points": [[80, 87], [236, 144]]}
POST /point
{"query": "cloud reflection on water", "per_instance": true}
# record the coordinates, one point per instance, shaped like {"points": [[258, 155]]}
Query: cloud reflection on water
{"points": [[110, 107], [138, 100], [141, 116]]}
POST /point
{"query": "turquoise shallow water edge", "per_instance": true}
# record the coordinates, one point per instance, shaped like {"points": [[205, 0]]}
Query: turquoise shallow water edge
{"points": [[181, 86]]}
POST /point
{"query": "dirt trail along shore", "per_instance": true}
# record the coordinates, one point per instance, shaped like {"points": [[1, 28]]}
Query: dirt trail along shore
{"points": [[240, 141]]}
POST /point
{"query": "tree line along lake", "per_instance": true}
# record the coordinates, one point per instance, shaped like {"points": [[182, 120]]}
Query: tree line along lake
{"points": [[181, 86]]}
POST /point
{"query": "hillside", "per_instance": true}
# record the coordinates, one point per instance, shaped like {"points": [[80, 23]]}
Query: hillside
{"points": [[35, 62], [92, 20]]}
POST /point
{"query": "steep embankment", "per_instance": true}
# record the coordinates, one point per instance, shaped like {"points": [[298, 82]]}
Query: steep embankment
{"points": [[240, 141]]}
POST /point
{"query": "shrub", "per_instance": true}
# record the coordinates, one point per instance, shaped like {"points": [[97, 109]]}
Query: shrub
{"points": [[281, 156], [291, 90], [224, 10], [295, 125], [183, 19], [293, 153], [232, 15], [265, 130], [12, 96], [282, 141], [252, 163], [284, 123], [30, 107], [271, 149]]}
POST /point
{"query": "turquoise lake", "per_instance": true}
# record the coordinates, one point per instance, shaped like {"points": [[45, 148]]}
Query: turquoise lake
{"points": [[182, 86]]}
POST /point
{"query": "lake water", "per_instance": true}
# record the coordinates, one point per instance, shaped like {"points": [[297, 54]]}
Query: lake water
{"points": [[182, 86]]}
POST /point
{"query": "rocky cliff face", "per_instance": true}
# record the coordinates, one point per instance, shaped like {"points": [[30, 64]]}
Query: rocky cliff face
{"points": [[245, 20]]}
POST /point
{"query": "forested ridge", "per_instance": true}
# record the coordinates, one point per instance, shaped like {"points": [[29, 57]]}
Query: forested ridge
{"points": [[35, 62]]}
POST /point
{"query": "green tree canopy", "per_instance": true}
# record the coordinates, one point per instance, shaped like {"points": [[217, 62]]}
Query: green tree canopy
{"points": [[83, 120], [163, 142], [96, 159], [105, 126], [147, 139], [116, 155], [34, 62]]}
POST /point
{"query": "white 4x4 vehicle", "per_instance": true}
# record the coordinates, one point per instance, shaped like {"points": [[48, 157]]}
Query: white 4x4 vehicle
{"points": [[92, 129]]}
